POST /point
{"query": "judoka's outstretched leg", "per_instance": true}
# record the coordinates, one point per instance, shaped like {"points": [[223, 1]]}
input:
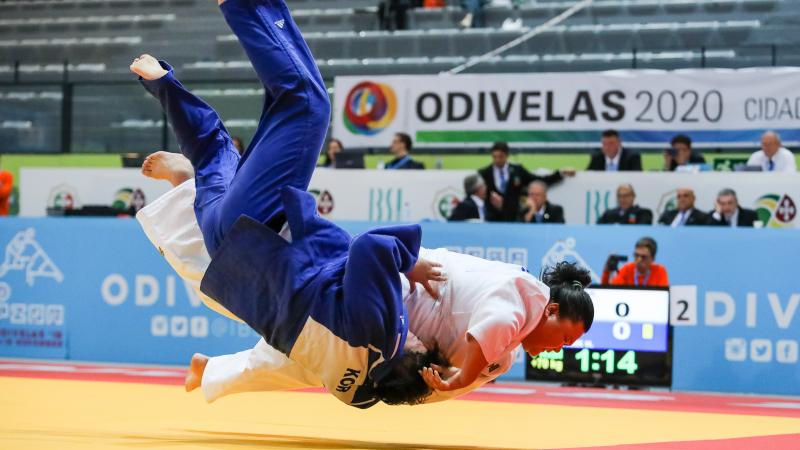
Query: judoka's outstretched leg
{"points": [[201, 136], [296, 112], [261, 368], [293, 123]]}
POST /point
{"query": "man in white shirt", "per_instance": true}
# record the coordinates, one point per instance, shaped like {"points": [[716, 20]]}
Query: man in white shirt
{"points": [[773, 157]]}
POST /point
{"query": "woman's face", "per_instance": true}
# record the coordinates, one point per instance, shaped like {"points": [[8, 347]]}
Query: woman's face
{"points": [[334, 148], [414, 344], [552, 333]]}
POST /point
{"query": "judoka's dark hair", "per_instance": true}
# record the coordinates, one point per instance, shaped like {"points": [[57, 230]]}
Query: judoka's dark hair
{"points": [[566, 281], [403, 385]]}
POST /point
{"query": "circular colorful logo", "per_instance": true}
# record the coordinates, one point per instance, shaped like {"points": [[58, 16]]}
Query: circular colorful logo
{"points": [[63, 197], [776, 211], [369, 108]]}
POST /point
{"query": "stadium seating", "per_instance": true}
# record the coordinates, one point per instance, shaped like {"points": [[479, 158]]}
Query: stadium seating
{"points": [[96, 39]]}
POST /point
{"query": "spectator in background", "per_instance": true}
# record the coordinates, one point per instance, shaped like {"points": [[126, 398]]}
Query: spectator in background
{"points": [[505, 183], [400, 149], [728, 213], [475, 15], [613, 157], [680, 153], [334, 148], [239, 144], [393, 14], [6, 186], [643, 271], [472, 207], [627, 211], [773, 157], [686, 214], [514, 22], [537, 209]]}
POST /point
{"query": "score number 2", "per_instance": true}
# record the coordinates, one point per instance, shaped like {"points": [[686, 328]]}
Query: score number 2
{"points": [[626, 363]]}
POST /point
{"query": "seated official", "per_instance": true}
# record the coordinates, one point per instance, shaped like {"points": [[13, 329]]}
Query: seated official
{"points": [[612, 157], [627, 211], [506, 183], [681, 155], [400, 148], [773, 156], [643, 271], [472, 207], [686, 214], [728, 213], [537, 209]]}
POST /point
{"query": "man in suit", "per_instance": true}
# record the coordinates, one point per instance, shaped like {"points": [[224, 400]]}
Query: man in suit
{"points": [[505, 184], [472, 207], [728, 213], [686, 214], [614, 158], [401, 150], [538, 209], [627, 211]]}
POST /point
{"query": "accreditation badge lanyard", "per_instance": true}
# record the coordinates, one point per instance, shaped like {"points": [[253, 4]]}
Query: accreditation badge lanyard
{"points": [[636, 278], [402, 162]]}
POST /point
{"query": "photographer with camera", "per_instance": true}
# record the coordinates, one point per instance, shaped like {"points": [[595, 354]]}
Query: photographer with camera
{"points": [[641, 272]]}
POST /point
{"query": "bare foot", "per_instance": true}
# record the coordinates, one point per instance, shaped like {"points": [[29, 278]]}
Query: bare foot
{"points": [[172, 167], [195, 373], [147, 67]]}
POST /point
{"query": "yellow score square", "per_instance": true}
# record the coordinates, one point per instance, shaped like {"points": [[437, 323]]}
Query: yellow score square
{"points": [[647, 331]]}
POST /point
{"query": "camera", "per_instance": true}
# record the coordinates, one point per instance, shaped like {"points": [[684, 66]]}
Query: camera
{"points": [[612, 263]]}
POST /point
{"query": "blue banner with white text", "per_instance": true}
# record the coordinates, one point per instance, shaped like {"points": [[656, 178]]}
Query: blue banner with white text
{"points": [[97, 290]]}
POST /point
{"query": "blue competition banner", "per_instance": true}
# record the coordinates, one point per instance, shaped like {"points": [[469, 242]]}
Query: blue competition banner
{"points": [[97, 290], [106, 291], [737, 328]]}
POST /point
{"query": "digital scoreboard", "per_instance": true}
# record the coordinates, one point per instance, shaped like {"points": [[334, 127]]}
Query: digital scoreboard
{"points": [[630, 342]]}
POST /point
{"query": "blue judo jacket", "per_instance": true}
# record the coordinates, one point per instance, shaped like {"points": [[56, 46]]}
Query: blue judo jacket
{"points": [[330, 302]]}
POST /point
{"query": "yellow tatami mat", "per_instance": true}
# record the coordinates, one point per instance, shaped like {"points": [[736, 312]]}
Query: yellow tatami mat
{"points": [[46, 414]]}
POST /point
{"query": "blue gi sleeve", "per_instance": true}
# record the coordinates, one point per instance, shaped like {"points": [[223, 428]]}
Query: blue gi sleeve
{"points": [[373, 290], [195, 123]]}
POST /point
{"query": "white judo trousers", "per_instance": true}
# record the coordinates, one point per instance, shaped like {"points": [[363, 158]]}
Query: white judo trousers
{"points": [[481, 298], [171, 225]]}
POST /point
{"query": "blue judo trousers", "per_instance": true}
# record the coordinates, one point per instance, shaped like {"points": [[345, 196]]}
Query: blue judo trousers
{"points": [[330, 302]]}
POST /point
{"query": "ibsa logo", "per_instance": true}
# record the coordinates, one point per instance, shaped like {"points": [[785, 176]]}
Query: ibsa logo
{"points": [[369, 108], [776, 211]]}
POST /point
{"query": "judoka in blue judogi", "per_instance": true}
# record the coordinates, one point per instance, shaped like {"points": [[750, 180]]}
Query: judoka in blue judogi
{"points": [[330, 302]]}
